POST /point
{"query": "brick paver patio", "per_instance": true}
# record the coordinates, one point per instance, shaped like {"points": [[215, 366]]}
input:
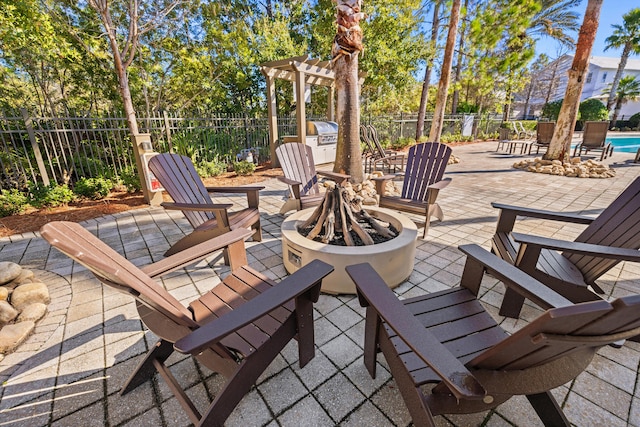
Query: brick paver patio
{"points": [[69, 371]]}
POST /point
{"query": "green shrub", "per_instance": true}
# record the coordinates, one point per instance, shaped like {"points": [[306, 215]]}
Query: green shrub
{"points": [[244, 168], [43, 196], [551, 110], [213, 168], [592, 110], [403, 142], [93, 188], [87, 167], [12, 202], [634, 121], [129, 178]]}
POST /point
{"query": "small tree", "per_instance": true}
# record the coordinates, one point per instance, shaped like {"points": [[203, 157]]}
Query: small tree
{"points": [[445, 73], [628, 90], [592, 110], [626, 36]]}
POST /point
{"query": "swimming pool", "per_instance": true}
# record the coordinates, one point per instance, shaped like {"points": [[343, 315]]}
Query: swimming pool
{"points": [[625, 144]]}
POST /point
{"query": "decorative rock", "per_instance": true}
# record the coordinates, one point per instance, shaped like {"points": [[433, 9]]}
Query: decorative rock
{"points": [[25, 276], [9, 271], [4, 293], [11, 336], [34, 312], [573, 168], [370, 201], [7, 312], [30, 293]]}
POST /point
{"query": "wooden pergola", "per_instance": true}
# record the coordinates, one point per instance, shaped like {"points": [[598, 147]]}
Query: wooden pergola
{"points": [[301, 71]]}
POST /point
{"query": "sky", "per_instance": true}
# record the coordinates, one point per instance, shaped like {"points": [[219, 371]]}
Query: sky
{"points": [[610, 13]]}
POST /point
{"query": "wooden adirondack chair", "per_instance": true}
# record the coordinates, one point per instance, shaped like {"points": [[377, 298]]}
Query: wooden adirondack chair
{"points": [[179, 178], [300, 174], [422, 182], [376, 157], [594, 138], [570, 268], [449, 341], [236, 329]]}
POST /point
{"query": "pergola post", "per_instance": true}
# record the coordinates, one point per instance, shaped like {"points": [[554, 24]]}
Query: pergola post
{"points": [[272, 110]]}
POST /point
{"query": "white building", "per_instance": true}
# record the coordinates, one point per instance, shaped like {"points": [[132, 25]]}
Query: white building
{"points": [[550, 84]]}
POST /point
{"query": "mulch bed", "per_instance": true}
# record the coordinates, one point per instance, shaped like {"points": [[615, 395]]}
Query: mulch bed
{"points": [[33, 219]]}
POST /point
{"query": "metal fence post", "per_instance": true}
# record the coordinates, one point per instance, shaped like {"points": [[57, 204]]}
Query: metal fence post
{"points": [[167, 130], [34, 144]]}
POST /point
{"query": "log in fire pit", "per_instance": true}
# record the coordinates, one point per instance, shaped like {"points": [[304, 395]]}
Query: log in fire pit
{"points": [[341, 232]]}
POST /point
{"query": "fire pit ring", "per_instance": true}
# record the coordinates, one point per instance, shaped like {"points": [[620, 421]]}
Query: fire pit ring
{"points": [[393, 259]]}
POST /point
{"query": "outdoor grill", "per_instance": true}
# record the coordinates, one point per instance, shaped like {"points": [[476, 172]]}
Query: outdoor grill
{"points": [[327, 132]]}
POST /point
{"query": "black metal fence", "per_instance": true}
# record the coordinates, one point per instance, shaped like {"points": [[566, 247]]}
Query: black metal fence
{"points": [[63, 149]]}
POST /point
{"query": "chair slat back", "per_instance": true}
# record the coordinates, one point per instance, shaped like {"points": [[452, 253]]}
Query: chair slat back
{"points": [[364, 137], [561, 331], [373, 136], [544, 132], [297, 164], [425, 165], [595, 134], [113, 269], [618, 225], [180, 179]]}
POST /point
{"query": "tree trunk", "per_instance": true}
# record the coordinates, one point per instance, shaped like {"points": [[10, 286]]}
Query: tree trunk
{"points": [[443, 85], [561, 142], [456, 78], [616, 111], [347, 45], [427, 72], [616, 79]]}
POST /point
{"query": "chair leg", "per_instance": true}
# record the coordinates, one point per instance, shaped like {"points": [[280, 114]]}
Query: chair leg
{"points": [[246, 376], [511, 304], [146, 369], [548, 409]]}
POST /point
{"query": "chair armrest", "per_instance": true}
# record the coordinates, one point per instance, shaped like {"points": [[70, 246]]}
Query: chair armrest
{"points": [[335, 176], [440, 184], [293, 286], [384, 178], [196, 207], [288, 181], [195, 253], [600, 251], [246, 189], [478, 260], [538, 213], [373, 292]]}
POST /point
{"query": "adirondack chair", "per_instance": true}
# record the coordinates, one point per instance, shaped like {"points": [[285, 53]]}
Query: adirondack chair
{"points": [[449, 341], [179, 178], [422, 182], [544, 133], [387, 161], [570, 268], [235, 329], [594, 138], [300, 174]]}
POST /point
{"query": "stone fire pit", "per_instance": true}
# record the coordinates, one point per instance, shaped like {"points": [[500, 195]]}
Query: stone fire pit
{"points": [[393, 259]]}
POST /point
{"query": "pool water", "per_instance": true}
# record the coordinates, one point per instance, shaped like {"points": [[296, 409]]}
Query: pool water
{"points": [[625, 144]]}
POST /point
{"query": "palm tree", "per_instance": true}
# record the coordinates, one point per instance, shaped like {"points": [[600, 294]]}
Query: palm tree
{"points": [[626, 36], [347, 45], [628, 90], [561, 141], [556, 19]]}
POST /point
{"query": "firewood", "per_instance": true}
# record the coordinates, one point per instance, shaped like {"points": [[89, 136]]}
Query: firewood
{"points": [[321, 219], [383, 231]]}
